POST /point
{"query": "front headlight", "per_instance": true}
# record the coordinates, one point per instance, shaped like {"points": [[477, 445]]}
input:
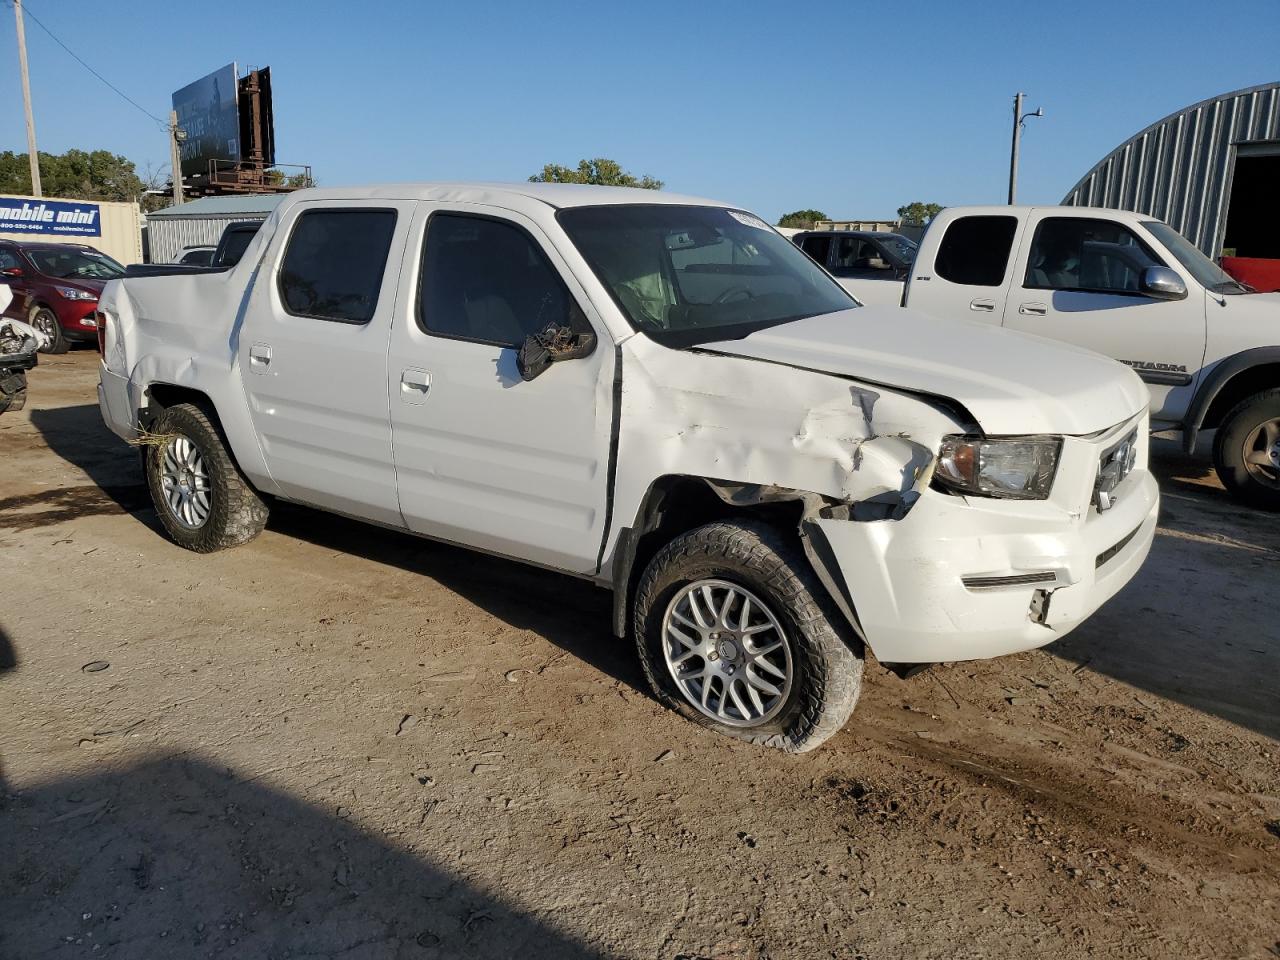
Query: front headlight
{"points": [[74, 293], [1018, 468]]}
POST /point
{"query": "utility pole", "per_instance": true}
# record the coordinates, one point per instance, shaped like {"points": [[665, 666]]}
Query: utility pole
{"points": [[1019, 118], [176, 136], [26, 102]]}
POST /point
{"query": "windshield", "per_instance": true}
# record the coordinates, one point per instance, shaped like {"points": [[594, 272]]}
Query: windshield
{"points": [[74, 264], [688, 275], [1207, 273], [900, 246]]}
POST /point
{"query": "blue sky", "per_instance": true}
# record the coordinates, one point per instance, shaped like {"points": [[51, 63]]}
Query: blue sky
{"points": [[851, 107]]}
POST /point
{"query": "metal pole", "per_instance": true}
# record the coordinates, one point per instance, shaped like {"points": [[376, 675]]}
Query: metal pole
{"points": [[36, 190], [1017, 142], [175, 159]]}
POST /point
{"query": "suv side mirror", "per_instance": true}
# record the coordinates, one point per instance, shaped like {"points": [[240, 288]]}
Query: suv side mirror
{"points": [[11, 272], [1161, 283], [555, 342]]}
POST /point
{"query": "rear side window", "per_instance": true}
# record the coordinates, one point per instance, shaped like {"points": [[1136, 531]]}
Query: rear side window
{"points": [[1087, 254], [334, 264], [487, 281], [975, 250], [817, 247]]}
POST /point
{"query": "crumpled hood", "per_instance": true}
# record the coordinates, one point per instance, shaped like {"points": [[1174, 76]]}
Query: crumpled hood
{"points": [[1013, 383]]}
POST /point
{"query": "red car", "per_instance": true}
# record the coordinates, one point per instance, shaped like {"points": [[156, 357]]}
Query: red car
{"points": [[56, 287]]}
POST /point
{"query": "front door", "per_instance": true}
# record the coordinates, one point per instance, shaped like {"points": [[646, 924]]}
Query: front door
{"points": [[484, 458], [1077, 280], [313, 354]]}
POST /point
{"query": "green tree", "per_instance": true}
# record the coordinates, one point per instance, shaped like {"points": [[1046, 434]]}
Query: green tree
{"points": [[918, 214], [802, 219], [600, 171], [76, 174], [296, 181]]}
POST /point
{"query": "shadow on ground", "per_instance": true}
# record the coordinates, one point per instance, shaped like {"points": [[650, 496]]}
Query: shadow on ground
{"points": [[1197, 624], [174, 858]]}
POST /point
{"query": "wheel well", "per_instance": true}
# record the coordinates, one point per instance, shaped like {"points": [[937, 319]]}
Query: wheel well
{"points": [[1246, 383], [676, 505], [161, 395]]}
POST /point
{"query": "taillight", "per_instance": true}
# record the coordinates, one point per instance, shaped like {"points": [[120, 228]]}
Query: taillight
{"points": [[101, 319]]}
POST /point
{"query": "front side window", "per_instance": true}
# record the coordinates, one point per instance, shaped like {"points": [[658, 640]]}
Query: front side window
{"points": [[855, 255], [1086, 254], [334, 263], [684, 275], [488, 281], [975, 250], [70, 264]]}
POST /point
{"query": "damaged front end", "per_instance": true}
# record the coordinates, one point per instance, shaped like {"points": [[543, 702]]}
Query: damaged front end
{"points": [[19, 346]]}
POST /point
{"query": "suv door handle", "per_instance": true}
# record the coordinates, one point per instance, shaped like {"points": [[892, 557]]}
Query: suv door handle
{"points": [[259, 356], [984, 305], [1033, 309], [414, 384]]}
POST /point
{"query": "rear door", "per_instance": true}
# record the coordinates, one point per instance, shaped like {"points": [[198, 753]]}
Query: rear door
{"points": [[970, 270], [484, 458], [1077, 280], [313, 354]]}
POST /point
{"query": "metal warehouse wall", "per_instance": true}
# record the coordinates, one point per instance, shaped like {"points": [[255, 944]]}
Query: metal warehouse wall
{"points": [[167, 236], [120, 223], [1179, 169]]}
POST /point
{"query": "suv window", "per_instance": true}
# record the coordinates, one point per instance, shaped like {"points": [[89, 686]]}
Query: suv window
{"points": [[1078, 253], [975, 250], [856, 255], [817, 247], [8, 259], [486, 280], [334, 264]]}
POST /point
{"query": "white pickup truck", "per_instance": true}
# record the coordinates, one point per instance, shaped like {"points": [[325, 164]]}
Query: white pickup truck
{"points": [[661, 395], [1128, 286]]}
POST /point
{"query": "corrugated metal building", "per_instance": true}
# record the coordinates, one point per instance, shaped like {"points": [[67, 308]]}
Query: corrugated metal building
{"points": [[1189, 167], [202, 222]]}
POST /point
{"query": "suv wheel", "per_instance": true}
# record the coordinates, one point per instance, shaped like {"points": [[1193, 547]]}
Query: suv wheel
{"points": [[1246, 451], [735, 633], [46, 321], [204, 501]]}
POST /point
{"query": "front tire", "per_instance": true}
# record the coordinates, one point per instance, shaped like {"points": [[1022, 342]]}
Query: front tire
{"points": [[1246, 451], [46, 321], [203, 500], [735, 633]]}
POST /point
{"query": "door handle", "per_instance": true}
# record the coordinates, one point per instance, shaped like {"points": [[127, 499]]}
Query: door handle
{"points": [[1033, 309], [259, 356], [983, 305], [414, 382]]}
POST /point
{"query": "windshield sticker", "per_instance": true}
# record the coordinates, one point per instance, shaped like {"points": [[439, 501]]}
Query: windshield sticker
{"points": [[748, 220]]}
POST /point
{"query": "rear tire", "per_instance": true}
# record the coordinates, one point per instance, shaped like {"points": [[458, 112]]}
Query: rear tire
{"points": [[204, 502], [755, 562], [46, 321], [1246, 451]]}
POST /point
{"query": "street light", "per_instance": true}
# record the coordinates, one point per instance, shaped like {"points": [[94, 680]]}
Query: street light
{"points": [[1019, 118]]}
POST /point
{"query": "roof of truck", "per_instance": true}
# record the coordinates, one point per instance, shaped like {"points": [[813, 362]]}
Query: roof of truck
{"points": [[557, 195]]}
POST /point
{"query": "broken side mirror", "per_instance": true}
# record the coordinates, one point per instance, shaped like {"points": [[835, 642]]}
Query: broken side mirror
{"points": [[557, 341]]}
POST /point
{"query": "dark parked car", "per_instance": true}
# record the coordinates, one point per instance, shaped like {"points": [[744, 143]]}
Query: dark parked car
{"points": [[200, 255], [56, 288], [854, 256]]}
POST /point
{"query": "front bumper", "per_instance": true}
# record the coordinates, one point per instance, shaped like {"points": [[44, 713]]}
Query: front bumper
{"points": [[906, 578], [76, 317]]}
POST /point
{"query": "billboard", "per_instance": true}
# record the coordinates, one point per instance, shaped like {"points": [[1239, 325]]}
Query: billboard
{"points": [[209, 112], [66, 218]]}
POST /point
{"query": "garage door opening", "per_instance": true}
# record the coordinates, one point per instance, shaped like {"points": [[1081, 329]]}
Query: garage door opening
{"points": [[1253, 217]]}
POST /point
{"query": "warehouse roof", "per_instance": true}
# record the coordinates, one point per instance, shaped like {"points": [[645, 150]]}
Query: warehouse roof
{"points": [[238, 206]]}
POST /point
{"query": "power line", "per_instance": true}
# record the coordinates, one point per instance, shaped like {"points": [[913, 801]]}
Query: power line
{"points": [[27, 10]]}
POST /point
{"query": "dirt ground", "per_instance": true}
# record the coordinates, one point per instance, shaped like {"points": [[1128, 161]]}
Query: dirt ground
{"points": [[339, 741]]}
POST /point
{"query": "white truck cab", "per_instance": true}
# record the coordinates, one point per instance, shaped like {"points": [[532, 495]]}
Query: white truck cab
{"points": [[1128, 286], [657, 393]]}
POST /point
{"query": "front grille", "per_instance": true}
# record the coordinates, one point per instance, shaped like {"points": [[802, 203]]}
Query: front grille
{"points": [[1111, 551], [1015, 580]]}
